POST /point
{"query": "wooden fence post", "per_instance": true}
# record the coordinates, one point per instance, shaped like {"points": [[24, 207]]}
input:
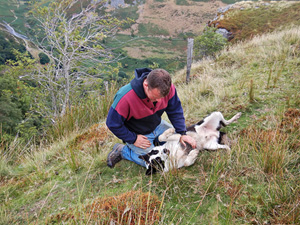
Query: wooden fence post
{"points": [[189, 58]]}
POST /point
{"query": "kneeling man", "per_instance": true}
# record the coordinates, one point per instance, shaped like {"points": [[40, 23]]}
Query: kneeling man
{"points": [[135, 115]]}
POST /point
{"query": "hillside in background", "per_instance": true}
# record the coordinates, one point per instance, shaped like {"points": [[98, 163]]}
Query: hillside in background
{"points": [[158, 34], [66, 181], [173, 18], [157, 37]]}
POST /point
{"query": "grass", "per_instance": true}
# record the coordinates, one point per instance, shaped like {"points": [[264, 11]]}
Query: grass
{"points": [[163, 51], [68, 181], [13, 13], [254, 21], [151, 29]]}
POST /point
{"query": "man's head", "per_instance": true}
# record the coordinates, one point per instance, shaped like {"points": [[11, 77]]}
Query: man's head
{"points": [[157, 84]]}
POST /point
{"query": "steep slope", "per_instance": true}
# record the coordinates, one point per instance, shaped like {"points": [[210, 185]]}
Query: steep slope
{"points": [[247, 19]]}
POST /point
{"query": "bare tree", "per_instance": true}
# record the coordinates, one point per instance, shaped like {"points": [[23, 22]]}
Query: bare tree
{"points": [[71, 35]]}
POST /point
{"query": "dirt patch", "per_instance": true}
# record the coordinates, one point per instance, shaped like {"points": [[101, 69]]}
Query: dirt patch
{"points": [[177, 19]]}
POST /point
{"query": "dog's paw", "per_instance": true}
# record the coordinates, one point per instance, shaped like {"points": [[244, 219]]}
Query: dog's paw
{"points": [[194, 153], [164, 136], [170, 131], [227, 148], [238, 115]]}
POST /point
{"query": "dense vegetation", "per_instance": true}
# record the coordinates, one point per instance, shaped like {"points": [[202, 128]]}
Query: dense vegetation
{"points": [[7, 45]]}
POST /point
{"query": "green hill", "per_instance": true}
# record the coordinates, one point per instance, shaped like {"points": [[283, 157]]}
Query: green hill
{"points": [[68, 182]]}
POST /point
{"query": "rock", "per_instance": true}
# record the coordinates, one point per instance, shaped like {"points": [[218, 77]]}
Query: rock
{"points": [[225, 33], [225, 9]]}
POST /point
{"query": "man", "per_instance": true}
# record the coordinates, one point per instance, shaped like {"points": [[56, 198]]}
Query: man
{"points": [[135, 115]]}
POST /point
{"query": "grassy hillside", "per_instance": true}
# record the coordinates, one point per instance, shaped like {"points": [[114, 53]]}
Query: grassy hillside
{"points": [[247, 19], [258, 182]]}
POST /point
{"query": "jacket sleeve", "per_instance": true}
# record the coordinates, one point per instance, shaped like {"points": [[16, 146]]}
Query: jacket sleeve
{"points": [[115, 122], [175, 112]]}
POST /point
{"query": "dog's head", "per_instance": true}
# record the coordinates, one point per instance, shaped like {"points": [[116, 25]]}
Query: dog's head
{"points": [[155, 159]]}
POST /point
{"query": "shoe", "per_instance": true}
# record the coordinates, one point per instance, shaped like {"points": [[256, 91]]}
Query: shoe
{"points": [[115, 155]]}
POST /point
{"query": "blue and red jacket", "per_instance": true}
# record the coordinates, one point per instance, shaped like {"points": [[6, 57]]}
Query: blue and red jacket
{"points": [[132, 112]]}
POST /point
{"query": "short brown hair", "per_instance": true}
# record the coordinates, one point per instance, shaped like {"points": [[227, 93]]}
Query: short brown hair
{"points": [[160, 79]]}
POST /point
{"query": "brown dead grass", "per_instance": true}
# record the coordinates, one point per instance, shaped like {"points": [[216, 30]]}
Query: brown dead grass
{"points": [[291, 120], [273, 144], [286, 213], [133, 207], [95, 136]]}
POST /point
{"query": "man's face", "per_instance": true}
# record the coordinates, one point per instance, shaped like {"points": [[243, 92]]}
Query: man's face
{"points": [[153, 94]]}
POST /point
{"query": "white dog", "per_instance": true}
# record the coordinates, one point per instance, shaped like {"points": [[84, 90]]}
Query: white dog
{"points": [[173, 154]]}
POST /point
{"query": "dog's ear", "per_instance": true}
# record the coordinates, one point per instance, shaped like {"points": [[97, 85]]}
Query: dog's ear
{"points": [[151, 170], [166, 151], [145, 158]]}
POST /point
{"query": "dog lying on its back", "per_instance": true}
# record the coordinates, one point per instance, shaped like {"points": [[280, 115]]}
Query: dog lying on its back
{"points": [[173, 154]]}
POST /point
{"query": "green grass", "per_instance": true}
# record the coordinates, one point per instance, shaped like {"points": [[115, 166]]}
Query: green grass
{"points": [[167, 53], [13, 12], [257, 182], [254, 21], [151, 29]]}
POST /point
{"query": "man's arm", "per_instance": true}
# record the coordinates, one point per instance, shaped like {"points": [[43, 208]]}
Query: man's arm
{"points": [[175, 114], [115, 122]]}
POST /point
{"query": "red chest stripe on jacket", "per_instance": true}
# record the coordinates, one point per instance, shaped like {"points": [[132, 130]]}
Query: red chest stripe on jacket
{"points": [[132, 106]]}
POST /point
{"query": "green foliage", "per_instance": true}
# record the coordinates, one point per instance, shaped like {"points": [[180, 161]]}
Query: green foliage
{"points": [[7, 45], [208, 44], [44, 59], [125, 13], [182, 2], [16, 96], [151, 29], [73, 36], [92, 109]]}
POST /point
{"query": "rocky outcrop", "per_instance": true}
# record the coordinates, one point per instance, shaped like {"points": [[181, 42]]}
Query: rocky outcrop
{"points": [[226, 34], [224, 13], [220, 16]]}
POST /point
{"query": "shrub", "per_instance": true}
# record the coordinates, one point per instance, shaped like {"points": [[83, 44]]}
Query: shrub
{"points": [[44, 59], [208, 43]]}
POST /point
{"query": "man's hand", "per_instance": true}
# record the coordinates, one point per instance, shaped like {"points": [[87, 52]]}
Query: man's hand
{"points": [[142, 142], [188, 139]]}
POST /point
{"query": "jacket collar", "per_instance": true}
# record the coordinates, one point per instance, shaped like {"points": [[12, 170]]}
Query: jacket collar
{"points": [[137, 82]]}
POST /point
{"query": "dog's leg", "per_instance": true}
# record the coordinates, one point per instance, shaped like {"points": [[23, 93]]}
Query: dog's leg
{"points": [[191, 158], [212, 145], [169, 135], [234, 118], [214, 122]]}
